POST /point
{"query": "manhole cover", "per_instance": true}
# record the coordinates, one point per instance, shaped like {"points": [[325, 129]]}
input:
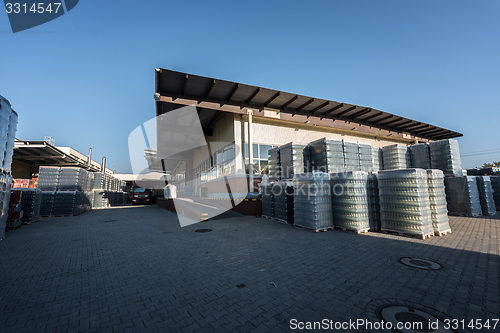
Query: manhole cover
{"points": [[111, 221], [203, 230], [420, 263], [408, 319]]}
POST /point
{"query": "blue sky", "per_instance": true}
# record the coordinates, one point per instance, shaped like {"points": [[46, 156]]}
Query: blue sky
{"points": [[87, 78]]}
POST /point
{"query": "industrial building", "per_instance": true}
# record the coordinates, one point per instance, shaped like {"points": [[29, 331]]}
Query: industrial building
{"points": [[236, 116]]}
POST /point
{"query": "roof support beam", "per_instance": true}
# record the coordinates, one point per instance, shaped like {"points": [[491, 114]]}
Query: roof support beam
{"points": [[319, 107], [289, 102], [332, 109], [393, 121], [419, 124], [404, 123], [374, 116], [385, 118], [272, 99], [185, 84], [360, 113], [247, 102], [430, 130], [232, 92], [345, 111], [210, 89], [304, 105]]}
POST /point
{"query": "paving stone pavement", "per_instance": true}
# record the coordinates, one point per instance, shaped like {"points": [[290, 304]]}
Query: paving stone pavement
{"points": [[134, 269]]}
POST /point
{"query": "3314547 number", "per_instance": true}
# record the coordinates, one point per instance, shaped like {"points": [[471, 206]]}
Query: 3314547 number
{"points": [[36, 8]]}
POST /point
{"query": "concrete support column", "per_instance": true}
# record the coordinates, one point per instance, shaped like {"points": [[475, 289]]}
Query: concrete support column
{"points": [[250, 151]]}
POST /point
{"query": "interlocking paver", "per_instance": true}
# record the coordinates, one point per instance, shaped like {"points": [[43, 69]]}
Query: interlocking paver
{"points": [[146, 273]]}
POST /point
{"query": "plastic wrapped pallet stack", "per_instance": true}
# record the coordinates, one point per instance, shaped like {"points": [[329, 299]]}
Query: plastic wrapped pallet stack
{"points": [[31, 199], [373, 202], [267, 200], [351, 156], [365, 158], [273, 157], [326, 156], [48, 178], [291, 160], [404, 202], [5, 188], [283, 201], [312, 201], [47, 203], [462, 195], [486, 195], [445, 156], [350, 200], [437, 199], [396, 157], [420, 156], [495, 184], [378, 159]]}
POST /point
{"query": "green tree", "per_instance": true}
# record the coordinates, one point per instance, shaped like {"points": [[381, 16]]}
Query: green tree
{"points": [[491, 165]]}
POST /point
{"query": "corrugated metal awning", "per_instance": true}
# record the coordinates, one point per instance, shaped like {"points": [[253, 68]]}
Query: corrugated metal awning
{"points": [[182, 85]]}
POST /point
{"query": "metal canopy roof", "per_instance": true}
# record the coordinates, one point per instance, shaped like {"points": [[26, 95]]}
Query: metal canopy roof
{"points": [[182, 85], [41, 153]]}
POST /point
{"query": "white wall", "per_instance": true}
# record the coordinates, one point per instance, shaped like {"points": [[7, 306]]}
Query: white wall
{"points": [[284, 133]]}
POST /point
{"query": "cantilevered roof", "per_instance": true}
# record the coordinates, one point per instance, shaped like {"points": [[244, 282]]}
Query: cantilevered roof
{"points": [[42, 153], [187, 86]]}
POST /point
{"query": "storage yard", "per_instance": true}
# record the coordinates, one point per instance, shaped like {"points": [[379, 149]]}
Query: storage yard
{"points": [[288, 194]]}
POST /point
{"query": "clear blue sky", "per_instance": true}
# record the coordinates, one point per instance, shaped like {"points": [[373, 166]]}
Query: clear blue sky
{"points": [[87, 78]]}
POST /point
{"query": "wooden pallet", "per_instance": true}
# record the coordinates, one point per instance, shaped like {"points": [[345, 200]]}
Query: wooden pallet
{"points": [[283, 221], [361, 231], [313, 229], [442, 233], [406, 234]]}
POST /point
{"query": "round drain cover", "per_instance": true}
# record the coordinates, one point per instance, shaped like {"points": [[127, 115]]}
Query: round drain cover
{"points": [[203, 230], [408, 319], [420, 263]]}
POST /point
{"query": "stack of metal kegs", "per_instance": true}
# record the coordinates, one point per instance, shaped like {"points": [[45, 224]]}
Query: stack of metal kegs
{"points": [[326, 156], [462, 195], [420, 156], [274, 163], [445, 155], [396, 157], [267, 200], [486, 195], [31, 200], [378, 159], [283, 201], [365, 158], [404, 202], [351, 156], [312, 201], [495, 184], [437, 199], [291, 158], [8, 128], [350, 200], [373, 201]]}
